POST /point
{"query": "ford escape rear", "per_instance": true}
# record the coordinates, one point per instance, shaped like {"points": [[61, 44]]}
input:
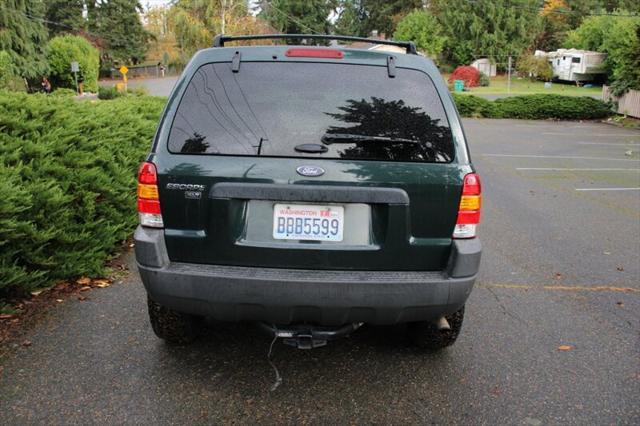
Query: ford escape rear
{"points": [[312, 189]]}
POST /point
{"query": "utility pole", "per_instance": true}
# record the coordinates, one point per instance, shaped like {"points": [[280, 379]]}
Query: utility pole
{"points": [[509, 76]]}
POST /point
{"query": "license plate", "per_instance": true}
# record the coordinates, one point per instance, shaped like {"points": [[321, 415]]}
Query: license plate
{"points": [[307, 222]]}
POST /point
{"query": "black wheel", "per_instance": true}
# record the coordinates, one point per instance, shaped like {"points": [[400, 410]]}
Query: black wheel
{"points": [[173, 327], [426, 335]]}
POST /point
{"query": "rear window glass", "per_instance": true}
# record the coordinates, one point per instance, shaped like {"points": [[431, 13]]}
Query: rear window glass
{"points": [[312, 110]]}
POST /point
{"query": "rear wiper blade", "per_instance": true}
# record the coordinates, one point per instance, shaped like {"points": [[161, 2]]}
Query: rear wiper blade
{"points": [[331, 138]]}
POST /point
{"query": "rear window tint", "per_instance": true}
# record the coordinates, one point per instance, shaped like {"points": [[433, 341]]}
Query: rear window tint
{"points": [[346, 111]]}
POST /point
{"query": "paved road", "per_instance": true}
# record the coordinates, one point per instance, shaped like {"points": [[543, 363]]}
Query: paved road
{"points": [[98, 362]]}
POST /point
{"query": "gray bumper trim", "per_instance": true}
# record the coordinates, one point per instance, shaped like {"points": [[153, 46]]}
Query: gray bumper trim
{"points": [[285, 296]]}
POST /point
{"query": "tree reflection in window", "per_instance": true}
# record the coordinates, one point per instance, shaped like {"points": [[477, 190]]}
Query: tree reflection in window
{"points": [[393, 119], [195, 144]]}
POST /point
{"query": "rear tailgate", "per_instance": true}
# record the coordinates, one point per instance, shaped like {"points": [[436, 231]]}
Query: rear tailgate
{"points": [[396, 216], [235, 163]]}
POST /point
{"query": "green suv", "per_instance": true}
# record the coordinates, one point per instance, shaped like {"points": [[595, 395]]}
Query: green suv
{"points": [[311, 189]]}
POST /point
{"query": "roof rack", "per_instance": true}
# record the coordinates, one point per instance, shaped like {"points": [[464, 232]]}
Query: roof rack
{"points": [[220, 39]]}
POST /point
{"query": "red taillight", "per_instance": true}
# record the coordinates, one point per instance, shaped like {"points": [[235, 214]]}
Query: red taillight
{"points": [[148, 200], [471, 185], [149, 206], [147, 174], [469, 210], [314, 53]]}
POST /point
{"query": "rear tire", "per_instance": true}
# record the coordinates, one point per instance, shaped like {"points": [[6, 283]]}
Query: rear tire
{"points": [[426, 335], [174, 327]]}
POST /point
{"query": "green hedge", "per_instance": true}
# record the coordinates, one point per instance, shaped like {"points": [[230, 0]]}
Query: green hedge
{"points": [[67, 183], [533, 107]]}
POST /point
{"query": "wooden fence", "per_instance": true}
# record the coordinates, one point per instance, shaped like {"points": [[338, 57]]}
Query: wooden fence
{"points": [[628, 104]]}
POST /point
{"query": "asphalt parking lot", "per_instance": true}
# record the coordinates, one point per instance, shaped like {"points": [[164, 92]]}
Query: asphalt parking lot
{"points": [[561, 269]]}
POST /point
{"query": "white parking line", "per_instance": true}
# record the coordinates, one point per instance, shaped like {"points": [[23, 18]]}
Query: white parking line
{"points": [[569, 157], [630, 144], [607, 189], [561, 169], [600, 135]]}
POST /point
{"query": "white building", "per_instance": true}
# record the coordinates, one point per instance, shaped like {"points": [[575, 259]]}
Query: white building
{"points": [[575, 65], [484, 65]]}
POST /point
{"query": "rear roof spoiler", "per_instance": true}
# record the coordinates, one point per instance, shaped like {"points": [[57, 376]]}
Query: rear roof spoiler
{"points": [[220, 39]]}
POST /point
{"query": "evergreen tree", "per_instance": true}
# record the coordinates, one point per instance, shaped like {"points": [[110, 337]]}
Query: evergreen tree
{"points": [[298, 16], [24, 36], [361, 17], [492, 28], [117, 26], [64, 17]]}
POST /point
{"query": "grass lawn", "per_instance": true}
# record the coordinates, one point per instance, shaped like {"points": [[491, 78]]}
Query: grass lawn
{"points": [[523, 86]]}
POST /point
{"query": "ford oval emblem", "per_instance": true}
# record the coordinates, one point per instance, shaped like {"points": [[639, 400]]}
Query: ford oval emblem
{"points": [[310, 171]]}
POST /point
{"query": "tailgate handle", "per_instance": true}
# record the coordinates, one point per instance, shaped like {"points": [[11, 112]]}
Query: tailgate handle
{"points": [[310, 193]]}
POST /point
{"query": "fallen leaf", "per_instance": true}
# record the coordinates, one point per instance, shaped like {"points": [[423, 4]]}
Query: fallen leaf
{"points": [[565, 348], [132, 245], [84, 281], [26, 343], [37, 292], [607, 253], [62, 286], [6, 316], [85, 288], [82, 298], [59, 300], [102, 283], [558, 276]]}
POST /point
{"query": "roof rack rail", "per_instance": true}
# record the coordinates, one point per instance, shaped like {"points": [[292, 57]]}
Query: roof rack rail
{"points": [[221, 39]]}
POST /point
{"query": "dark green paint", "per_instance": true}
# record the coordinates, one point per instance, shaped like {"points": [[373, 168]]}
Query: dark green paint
{"points": [[413, 237]]}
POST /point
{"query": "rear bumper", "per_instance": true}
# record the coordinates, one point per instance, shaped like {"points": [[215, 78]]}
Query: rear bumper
{"points": [[285, 296]]}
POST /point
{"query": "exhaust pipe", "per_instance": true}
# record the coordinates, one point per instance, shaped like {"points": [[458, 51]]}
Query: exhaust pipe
{"points": [[443, 325]]}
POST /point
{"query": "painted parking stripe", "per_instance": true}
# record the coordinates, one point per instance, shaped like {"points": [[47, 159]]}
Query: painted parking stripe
{"points": [[600, 135], [608, 189], [630, 144], [563, 169], [568, 157]]}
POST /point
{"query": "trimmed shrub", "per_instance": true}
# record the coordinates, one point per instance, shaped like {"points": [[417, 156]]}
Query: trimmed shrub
{"points": [[533, 107], [62, 92], [67, 183], [535, 68], [66, 49], [468, 74], [484, 81], [473, 106], [539, 107], [107, 93]]}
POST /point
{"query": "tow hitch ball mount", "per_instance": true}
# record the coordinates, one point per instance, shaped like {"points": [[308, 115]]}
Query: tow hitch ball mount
{"points": [[306, 336]]}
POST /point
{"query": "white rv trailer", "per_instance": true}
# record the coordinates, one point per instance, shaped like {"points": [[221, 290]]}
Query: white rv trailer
{"points": [[575, 65]]}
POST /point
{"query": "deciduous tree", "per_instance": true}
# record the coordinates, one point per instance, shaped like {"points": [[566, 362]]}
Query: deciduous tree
{"points": [[424, 29]]}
